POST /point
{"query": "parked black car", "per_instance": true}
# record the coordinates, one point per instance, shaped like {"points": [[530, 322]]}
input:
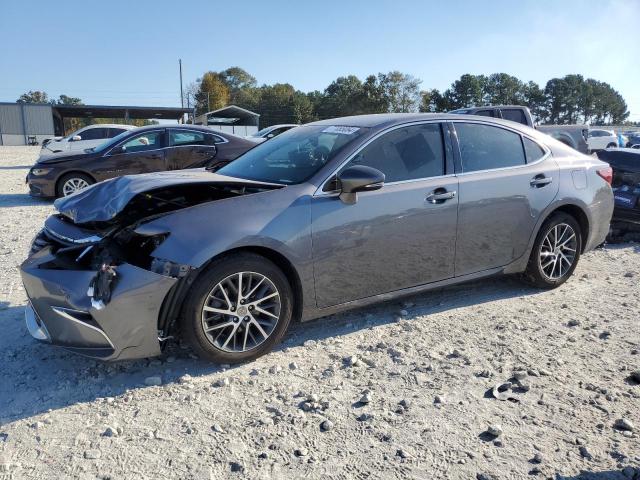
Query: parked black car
{"points": [[625, 163], [147, 149], [633, 139]]}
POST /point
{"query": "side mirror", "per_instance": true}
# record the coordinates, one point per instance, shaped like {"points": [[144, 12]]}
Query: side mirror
{"points": [[76, 138], [358, 179], [119, 149]]}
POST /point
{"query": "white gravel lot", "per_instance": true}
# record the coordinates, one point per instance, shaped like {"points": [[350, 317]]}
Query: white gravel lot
{"points": [[424, 367]]}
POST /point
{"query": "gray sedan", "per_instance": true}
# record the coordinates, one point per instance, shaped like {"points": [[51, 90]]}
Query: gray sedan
{"points": [[326, 217]]}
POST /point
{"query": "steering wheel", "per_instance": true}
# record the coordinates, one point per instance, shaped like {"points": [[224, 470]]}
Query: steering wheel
{"points": [[319, 155]]}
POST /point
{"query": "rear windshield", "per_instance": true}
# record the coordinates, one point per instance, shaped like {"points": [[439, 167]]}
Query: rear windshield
{"points": [[293, 156]]}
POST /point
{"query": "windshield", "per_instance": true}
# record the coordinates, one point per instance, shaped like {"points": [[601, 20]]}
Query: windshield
{"points": [[110, 142], [294, 156]]}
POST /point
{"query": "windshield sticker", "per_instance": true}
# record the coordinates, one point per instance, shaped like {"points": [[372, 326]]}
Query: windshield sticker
{"points": [[340, 129]]}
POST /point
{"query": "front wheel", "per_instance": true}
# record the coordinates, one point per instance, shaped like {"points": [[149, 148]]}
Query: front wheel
{"points": [[555, 253], [72, 183], [239, 309]]}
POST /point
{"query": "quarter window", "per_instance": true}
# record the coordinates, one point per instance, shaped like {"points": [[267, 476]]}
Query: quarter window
{"points": [[532, 150], [144, 141], [186, 137], [484, 147], [514, 115], [406, 153]]}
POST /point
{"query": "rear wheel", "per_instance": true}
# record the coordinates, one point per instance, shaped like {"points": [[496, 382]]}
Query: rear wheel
{"points": [[239, 308], [612, 145], [73, 182], [555, 253]]}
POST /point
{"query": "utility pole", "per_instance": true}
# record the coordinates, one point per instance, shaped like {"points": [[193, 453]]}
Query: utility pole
{"points": [[181, 94], [208, 102]]}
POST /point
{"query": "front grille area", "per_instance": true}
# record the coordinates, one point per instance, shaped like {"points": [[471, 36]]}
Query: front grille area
{"points": [[42, 240]]}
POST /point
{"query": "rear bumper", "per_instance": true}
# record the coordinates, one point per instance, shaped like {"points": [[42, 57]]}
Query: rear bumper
{"points": [[61, 313], [600, 213]]}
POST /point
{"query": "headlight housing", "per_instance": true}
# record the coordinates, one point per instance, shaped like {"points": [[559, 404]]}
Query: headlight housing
{"points": [[40, 171]]}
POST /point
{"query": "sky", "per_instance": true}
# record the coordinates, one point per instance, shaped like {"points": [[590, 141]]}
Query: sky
{"points": [[126, 52]]}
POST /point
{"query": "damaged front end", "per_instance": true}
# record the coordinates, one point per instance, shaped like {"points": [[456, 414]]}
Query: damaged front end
{"points": [[93, 283]]}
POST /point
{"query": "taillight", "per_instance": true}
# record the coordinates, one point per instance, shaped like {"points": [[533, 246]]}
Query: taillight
{"points": [[606, 173]]}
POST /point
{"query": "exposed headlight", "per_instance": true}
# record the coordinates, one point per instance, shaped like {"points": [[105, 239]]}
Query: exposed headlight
{"points": [[40, 171]]}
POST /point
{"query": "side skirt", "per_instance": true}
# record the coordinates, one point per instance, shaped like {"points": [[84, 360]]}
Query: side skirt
{"points": [[384, 297]]}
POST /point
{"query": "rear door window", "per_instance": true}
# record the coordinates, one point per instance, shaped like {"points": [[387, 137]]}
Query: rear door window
{"points": [[514, 114], [485, 147], [484, 113], [94, 134], [186, 137], [115, 131], [406, 153]]}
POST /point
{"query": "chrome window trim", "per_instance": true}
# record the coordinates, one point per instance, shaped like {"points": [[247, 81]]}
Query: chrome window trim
{"points": [[320, 193], [224, 140], [505, 127]]}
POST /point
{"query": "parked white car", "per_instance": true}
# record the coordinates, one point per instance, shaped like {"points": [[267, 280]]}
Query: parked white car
{"points": [[270, 132], [600, 139], [86, 137]]}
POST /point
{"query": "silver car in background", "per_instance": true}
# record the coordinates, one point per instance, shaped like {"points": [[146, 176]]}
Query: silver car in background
{"points": [[326, 217]]}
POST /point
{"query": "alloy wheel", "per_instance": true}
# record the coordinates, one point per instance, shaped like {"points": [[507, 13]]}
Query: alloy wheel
{"points": [[73, 185], [241, 312], [558, 251]]}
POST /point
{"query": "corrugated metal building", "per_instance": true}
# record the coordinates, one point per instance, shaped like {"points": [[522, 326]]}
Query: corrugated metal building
{"points": [[27, 123], [23, 123]]}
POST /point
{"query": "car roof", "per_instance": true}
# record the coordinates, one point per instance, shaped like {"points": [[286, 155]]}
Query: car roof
{"points": [[486, 107], [185, 126], [379, 120], [109, 125]]}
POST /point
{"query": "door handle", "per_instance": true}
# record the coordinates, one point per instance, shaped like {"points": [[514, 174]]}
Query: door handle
{"points": [[540, 181], [440, 195]]}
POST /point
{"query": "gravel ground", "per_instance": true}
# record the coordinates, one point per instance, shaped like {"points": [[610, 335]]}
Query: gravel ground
{"points": [[398, 391]]}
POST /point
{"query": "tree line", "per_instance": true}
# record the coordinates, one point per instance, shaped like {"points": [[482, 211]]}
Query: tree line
{"points": [[567, 100]]}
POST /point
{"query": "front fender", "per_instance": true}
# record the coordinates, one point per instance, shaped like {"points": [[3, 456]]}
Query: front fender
{"points": [[278, 220], [272, 219]]}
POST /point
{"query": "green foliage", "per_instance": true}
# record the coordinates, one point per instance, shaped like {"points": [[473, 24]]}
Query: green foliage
{"points": [[33, 96], [570, 99], [65, 100], [212, 92]]}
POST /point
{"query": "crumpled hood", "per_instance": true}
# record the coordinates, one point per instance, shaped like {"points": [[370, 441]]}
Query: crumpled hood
{"points": [[103, 201]]}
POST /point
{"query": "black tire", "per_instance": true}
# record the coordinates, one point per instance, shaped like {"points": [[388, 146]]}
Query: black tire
{"points": [[192, 324], [71, 176], [534, 273], [612, 145]]}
